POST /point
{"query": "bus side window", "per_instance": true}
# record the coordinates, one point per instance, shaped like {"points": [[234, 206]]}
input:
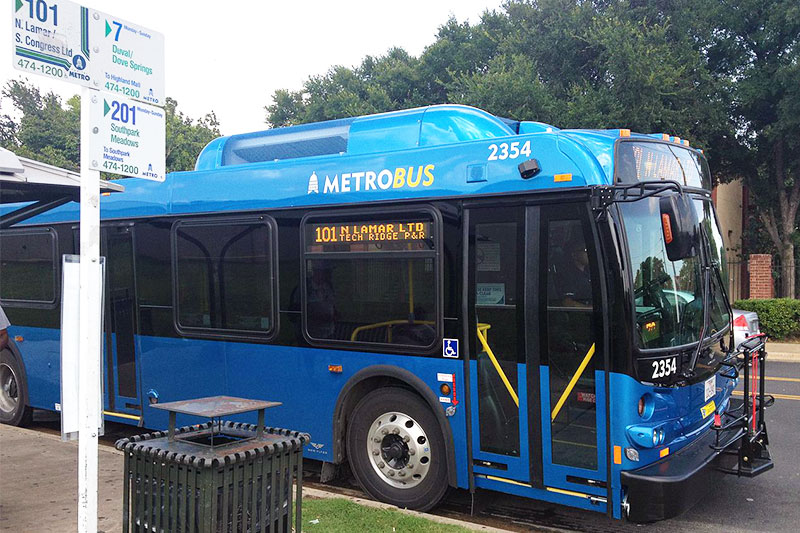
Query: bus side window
{"points": [[224, 277], [28, 267], [372, 279]]}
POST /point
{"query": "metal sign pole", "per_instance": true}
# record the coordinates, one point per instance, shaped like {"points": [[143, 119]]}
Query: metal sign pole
{"points": [[89, 328]]}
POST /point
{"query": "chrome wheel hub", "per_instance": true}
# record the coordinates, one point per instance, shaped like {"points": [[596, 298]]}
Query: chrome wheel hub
{"points": [[398, 450], [9, 391]]}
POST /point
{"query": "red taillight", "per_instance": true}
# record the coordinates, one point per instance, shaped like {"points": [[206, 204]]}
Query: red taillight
{"points": [[740, 322]]}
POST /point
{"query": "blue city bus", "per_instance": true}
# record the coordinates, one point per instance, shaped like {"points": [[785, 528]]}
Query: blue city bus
{"points": [[440, 297]]}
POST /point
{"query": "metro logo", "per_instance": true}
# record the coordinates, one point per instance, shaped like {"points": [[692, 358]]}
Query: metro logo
{"points": [[402, 178]]}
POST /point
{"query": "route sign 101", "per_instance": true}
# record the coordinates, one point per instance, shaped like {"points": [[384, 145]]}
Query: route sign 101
{"points": [[63, 40], [51, 38], [127, 137]]}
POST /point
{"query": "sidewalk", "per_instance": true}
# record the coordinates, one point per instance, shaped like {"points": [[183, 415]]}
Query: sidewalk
{"points": [[783, 352], [39, 486]]}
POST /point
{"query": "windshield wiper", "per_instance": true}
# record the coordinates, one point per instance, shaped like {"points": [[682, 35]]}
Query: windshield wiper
{"points": [[705, 257]]}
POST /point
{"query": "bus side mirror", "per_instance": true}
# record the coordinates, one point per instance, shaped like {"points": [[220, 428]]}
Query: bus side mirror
{"points": [[679, 225]]}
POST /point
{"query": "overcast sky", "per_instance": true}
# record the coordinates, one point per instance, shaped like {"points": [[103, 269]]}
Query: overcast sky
{"points": [[230, 57]]}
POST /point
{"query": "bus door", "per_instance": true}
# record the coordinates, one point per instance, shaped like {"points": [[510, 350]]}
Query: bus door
{"points": [[538, 414], [123, 391], [570, 344], [498, 378]]}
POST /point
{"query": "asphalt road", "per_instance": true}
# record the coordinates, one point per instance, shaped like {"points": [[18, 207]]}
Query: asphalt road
{"points": [[769, 502]]}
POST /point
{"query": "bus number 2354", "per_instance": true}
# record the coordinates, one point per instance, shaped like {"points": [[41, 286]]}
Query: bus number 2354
{"points": [[664, 367], [509, 151]]}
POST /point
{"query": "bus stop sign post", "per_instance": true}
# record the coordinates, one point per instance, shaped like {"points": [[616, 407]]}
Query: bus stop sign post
{"points": [[63, 40], [89, 330]]}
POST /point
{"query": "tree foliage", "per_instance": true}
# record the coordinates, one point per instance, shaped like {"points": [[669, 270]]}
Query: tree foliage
{"points": [[50, 132], [47, 131], [186, 137], [757, 48]]}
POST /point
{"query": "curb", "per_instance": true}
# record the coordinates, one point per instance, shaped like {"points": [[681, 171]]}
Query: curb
{"points": [[783, 357]]}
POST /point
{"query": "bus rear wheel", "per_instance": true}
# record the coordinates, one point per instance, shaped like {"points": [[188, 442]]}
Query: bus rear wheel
{"points": [[14, 409], [396, 449]]}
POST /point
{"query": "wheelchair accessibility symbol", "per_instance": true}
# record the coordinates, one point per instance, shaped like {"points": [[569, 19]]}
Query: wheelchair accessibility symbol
{"points": [[450, 348]]}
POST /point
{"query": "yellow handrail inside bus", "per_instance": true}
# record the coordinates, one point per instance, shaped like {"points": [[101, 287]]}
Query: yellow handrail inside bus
{"points": [[482, 337], [389, 323], [572, 382], [410, 286]]}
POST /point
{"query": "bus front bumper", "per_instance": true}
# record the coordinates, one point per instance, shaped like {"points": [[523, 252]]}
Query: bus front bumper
{"points": [[674, 484]]}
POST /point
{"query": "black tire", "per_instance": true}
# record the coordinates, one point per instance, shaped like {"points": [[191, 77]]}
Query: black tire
{"points": [[14, 408], [419, 471]]}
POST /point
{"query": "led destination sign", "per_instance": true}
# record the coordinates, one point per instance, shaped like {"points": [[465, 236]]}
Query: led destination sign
{"points": [[391, 235], [651, 161]]}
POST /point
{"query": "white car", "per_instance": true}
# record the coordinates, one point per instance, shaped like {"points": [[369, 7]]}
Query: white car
{"points": [[745, 324]]}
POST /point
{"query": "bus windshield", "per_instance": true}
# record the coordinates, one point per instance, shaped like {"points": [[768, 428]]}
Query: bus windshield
{"points": [[668, 295]]}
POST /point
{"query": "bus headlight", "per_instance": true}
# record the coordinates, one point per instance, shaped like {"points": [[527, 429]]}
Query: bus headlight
{"points": [[645, 436]]}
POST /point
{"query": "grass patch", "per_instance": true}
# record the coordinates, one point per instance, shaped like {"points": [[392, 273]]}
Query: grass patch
{"points": [[340, 515]]}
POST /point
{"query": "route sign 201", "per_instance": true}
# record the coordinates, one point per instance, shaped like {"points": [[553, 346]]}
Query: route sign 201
{"points": [[127, 137]]}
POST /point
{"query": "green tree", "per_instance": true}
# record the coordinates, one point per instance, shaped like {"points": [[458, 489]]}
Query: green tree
{"points": [[755, 48], [572, 63], [50, 132], [379, 84], [392, 81], [46, 131], [186, 137]]}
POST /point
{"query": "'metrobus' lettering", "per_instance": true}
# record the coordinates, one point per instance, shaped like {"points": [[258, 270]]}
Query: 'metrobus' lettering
{"points": [[368, 180]]}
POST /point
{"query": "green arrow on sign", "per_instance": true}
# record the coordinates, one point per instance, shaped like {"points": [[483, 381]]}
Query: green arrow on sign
{"points": [[106, 108], [108, 28], [19, 5]]}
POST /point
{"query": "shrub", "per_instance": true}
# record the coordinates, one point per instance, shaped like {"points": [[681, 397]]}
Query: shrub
{"points": [[779, 317]]}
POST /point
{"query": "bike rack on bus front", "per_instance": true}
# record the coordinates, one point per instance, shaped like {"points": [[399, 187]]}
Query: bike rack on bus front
{"points": [[745, 453]]}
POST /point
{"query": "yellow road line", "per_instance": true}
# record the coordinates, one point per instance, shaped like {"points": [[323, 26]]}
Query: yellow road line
{"points": [[777, 396], [793, 380]]}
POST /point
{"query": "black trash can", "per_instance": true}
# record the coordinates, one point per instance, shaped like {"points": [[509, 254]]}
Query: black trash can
{"points": [[216, 477]]}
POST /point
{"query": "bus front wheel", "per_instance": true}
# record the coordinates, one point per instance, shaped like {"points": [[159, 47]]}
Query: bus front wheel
{"points": [[396, 449], [14, 409]]}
